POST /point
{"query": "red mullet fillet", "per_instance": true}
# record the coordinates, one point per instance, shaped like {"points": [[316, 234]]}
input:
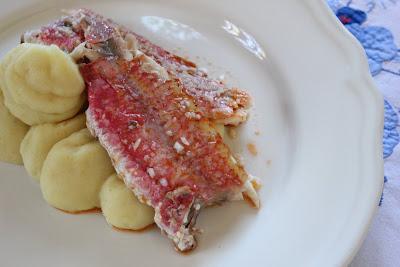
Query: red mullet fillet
{"points": [[83, 28], [155, 114]]}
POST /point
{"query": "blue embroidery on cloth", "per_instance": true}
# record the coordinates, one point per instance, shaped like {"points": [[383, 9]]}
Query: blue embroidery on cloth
{"points": [[380, 47], [390, 134], [384, 182], [378, 42], [349, 15]]}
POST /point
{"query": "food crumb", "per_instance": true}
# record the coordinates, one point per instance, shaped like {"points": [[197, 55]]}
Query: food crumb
{"points": [[151, 172], [257, 132], [252, 149], [185, 141], [239, 158], [178, 147], [137, 144], [163, 182], [269, 162], [256, 182]]}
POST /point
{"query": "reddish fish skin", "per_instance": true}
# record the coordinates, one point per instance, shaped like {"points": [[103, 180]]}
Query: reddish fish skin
{"points": [[58, 33], [127, 104], [213, 99]]}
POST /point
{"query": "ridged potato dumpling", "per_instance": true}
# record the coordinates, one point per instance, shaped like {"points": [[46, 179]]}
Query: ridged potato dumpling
{"points": [[41, 138], [74, 171], [121, 208], [41, 84], [12, 131]]}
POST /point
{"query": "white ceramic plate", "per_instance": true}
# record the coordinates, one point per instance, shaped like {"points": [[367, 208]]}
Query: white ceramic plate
{"points": [[319, 117]]}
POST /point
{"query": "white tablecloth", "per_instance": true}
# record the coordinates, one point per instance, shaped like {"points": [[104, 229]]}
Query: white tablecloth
{"points": [[376, 24]]}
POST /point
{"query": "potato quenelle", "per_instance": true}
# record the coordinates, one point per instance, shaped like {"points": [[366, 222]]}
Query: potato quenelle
{"points": [[42, 126], [41, 84]]}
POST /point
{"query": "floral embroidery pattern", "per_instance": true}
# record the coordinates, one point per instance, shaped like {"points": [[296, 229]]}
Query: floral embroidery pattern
{"points": [[378, 42], [390, 135], [380, 48], [384, 182]]}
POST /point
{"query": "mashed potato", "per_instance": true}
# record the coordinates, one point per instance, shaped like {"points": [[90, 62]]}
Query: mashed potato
{"points": [[121, 208], [74, 171], [41, 84], [41, 138], [12, 131]]}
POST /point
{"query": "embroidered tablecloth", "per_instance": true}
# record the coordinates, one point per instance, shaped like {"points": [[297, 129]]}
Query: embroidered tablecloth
{"points": [[376, 24]]}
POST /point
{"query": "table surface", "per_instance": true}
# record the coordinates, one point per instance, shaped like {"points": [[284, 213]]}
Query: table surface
{"points": [[376, 24]]}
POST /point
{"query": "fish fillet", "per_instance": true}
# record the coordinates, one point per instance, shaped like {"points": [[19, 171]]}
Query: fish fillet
{"points": [[155, 114], [83, 28]]}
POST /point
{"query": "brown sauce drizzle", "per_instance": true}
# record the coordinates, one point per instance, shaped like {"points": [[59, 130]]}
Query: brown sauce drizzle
{"points": [[252, 149], [125, 230], [78, 212]]}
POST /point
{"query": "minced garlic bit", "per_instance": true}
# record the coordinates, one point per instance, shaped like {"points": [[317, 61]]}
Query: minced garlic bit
{"points": [[255, 181], [233, 159], [153, 145], [252, 149], [192, 115], [251, 193], [163, 182], [137, 144], [203, 69], [151, 172], [169, 133], [185, 103], [239, 158], [178, 147], [184, 141]]}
